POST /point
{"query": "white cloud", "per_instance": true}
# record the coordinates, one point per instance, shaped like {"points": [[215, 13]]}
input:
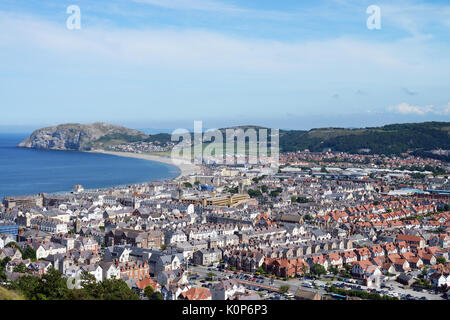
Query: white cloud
{"points": [[405, 108], [191, 48]]}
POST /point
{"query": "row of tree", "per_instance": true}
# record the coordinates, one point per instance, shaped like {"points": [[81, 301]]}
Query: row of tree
{"points": [[53, 286]]}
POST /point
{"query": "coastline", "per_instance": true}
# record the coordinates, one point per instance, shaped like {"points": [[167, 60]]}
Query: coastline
{"points": [[186, 167]]}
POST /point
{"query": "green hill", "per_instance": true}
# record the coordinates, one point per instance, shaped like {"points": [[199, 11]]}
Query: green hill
{"points": [[417, 138], [389, 139]]}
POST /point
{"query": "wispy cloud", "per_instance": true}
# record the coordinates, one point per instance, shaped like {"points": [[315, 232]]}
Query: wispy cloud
{"points": [[219, 7], [193, 48], [203, 5], [407, 109]]}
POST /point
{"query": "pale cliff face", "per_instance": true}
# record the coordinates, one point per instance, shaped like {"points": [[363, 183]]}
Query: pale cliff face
{"points": [[74, 136]]}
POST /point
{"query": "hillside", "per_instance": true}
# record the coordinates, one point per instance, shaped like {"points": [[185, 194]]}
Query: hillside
{"points": [[389, 139], [81, 137], [418, 138], [6, 294]]}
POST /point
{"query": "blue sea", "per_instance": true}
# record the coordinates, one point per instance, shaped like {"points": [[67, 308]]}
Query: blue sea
{"points": [[29, 171]]}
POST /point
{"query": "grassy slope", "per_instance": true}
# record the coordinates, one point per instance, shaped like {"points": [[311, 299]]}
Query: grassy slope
{"points": [[6, 294]]}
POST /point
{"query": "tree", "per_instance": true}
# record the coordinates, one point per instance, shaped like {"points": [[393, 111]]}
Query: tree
{"points": [[52, 286], [117, 289], [324, 170], [27, 285], [260, 270], [163, 247], [441, 260], [302, 200], [210, 275], [284, 288], [20, 268], [318, 270], [334, 270], [149, 291], [3, 277], [4, 262], [29, 253], [187, 185], [254, 193], [156, 296]]}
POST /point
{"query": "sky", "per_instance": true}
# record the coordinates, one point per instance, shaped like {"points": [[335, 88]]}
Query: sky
{"points": [[284, 64]]}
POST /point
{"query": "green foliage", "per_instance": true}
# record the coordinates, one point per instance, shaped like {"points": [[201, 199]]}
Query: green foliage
{"points": [[52, 286], [3, 277], [418, 176], [120, 137], [232, 190], [149, 291], [441, 260], [302, 200], [210, 276], [284, 288], [187, 185], [318, 270], [390, 139], [29, 253], [334, 270], [360, 294], [20, 268], [117, 289], [275, 193], [156, 296], [254, 193]]}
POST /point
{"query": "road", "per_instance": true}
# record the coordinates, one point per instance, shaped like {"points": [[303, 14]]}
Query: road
{"points": [[274, 284], [269, 283]]}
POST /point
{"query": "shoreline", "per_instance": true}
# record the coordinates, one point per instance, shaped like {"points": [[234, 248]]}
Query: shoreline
{"points": [[186, 168]]}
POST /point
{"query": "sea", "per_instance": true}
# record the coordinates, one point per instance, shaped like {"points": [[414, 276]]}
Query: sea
{"points": [[30, 171]]}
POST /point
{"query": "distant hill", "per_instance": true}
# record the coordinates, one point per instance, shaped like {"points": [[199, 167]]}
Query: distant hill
{"points": [[389, 139], [81, 136], [417, 138]]}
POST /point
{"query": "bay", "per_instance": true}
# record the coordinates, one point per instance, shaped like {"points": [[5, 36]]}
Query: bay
{"points": [[29, 171]]}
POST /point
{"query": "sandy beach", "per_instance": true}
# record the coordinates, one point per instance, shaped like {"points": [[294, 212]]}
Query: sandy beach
{"points": [[185, 166]]}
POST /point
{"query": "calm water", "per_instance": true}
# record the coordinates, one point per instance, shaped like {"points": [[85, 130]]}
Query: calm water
{"points": [[28, 171]]}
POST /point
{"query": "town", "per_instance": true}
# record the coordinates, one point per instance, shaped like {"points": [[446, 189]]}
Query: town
{"points": [[324, 226]]}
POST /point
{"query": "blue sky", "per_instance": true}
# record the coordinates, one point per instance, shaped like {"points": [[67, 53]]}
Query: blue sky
{"points": [[165, 63]]}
